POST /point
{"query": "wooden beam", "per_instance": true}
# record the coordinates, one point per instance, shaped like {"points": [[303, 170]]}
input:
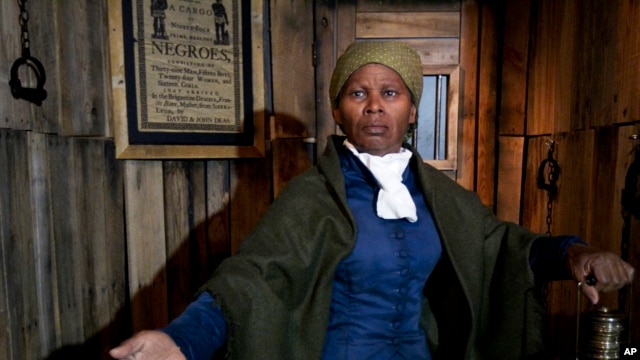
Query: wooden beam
{"points": [[408, 25], [509, 181]]}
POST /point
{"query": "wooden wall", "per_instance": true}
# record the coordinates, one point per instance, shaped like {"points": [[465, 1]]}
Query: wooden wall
{"points": [[93, 248], [570, 73]]}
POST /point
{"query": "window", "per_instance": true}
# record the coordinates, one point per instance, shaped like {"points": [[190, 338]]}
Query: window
{"points": [[436, 136]]}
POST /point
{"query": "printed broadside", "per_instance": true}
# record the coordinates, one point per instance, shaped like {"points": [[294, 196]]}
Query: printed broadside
{"points": [[188, 57]]}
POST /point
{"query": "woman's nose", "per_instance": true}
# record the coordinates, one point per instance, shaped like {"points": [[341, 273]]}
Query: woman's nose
{"points": [[374, 104]]}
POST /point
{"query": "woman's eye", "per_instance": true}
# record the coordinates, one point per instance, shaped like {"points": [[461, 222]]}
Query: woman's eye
{"points": [[358, 93], [390, 92]]}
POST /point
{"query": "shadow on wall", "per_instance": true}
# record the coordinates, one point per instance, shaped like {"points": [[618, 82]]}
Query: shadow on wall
{"points": [[181, 284], [208, 243]]}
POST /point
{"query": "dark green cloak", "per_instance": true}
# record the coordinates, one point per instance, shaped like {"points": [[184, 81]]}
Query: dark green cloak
{"points": [[275, 291]]}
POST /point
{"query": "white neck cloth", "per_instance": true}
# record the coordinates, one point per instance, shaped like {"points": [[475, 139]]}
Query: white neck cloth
{"points": [[394, 199]]}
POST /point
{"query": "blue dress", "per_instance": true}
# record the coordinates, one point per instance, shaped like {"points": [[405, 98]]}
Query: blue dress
{"points": [[378, 289]]}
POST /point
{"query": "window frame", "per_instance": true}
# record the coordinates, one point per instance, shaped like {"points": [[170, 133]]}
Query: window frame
{"points": [[453, 111]]}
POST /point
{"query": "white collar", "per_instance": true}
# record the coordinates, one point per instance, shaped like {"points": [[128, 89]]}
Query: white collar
{"points": [[394, 199]]}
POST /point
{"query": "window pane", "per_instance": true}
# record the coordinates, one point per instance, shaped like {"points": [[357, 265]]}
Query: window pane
{"points": [[430, 139]]}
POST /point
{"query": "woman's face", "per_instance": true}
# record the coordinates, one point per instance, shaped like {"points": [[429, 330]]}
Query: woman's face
{"points": [[375, 110]]}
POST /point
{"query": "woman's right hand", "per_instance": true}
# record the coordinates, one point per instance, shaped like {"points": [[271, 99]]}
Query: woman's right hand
{"points": [[148, 345]]}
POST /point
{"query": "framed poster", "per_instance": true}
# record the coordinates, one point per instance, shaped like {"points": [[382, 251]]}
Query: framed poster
{"points": [[187, 78]]}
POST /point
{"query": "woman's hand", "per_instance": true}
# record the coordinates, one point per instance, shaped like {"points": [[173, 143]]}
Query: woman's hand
{"points": [[610, 271], [148, 345]]}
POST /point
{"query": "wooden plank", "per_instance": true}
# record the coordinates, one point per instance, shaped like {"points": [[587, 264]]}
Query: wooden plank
{"points": [[469, 50], [68, 245], [325, 44], [515, 56], [146, 247], [634, 58], [83, 67], [25, 259], [199, 214], [436, 51], [487, 107], [583, 67], [628, 58], [184, 192], [116, 78], [455, 115], [40, 207], [407, 5], [604, 196], [509, 181], [18, 250], [218, 213], [7, 313], [534, 200], [566, 60], [542, 70], [176, 175], [93, 272], [553, 88], [408, 24], [290, 158], [44, 47], [14, 113], [292, 71], [114, 290], [217, 226], [345, 25], [597, 105]]}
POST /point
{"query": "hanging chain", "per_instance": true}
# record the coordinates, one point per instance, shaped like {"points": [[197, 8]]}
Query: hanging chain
{"points": [[550, 197], [23, 20], [549, 166], [38, 94], [548, 182]]}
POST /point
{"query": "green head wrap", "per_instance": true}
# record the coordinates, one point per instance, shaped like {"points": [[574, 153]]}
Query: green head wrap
{"points": [[394, 54]]}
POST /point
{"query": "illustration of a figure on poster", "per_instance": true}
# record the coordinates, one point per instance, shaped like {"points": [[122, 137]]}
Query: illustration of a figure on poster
{"points": [[221, 20], [158, 8]]}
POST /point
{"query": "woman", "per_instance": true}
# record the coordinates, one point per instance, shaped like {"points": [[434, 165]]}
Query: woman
{"points": [[374, 254]]}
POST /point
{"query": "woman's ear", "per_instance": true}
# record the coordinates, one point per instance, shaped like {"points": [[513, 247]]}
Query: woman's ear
{"points": [[412, 114], [336, 116]]}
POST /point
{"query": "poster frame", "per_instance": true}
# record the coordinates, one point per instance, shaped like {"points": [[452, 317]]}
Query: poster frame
{"points": [[251, 144]]}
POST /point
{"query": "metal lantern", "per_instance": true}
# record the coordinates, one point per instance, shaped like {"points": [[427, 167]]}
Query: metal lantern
{"points": [[600, 334]]}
